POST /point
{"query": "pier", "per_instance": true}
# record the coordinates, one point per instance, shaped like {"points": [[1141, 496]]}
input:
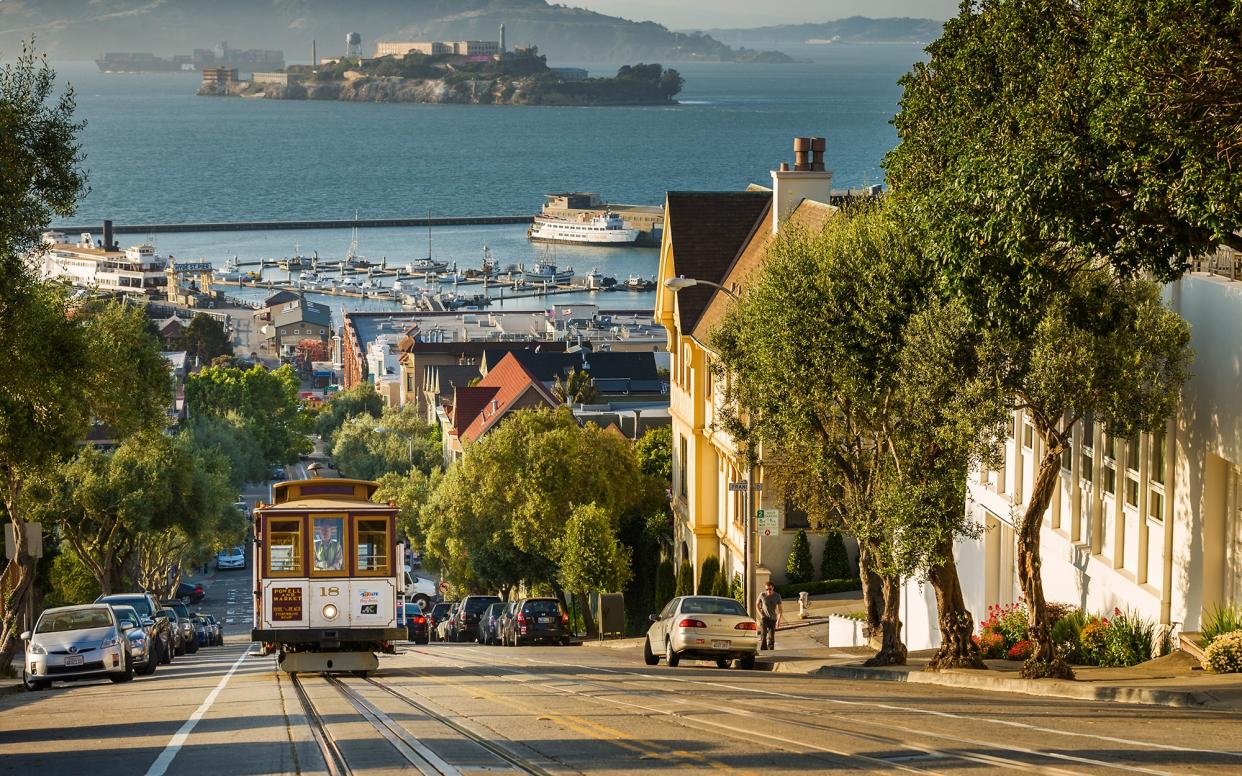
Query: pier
{"points": [[337, 223]]}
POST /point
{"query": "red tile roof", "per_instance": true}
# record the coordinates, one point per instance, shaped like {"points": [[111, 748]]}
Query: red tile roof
{"points": [[477, 408]]}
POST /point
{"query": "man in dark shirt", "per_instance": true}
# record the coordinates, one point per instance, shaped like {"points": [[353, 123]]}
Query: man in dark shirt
{"points": [[770, 614]]}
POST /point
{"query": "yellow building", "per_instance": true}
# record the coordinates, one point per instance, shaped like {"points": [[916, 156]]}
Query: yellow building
{"points": [[721, 238]]}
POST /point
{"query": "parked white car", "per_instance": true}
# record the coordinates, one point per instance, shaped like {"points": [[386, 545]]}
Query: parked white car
{"points": [[231, 558], [702, 627], [76, 642]]}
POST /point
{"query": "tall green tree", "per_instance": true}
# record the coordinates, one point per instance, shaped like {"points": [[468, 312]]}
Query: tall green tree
{"points": [[410, 491], [1051, 153], [361, 399], [508, 500], [591, 557], [399, 440], [228, 435], [204, 340], [655, 454], [800, 568], [870, 417], [266, 401]]}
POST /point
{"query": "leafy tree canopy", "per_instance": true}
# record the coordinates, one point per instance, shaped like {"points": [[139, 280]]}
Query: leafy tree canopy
{"points": [[398, 441], [344, 405], [654, 450], [266, 401], [204, 340]]}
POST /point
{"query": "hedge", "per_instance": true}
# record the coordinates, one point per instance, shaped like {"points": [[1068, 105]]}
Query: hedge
{"points": [[820, 587]]}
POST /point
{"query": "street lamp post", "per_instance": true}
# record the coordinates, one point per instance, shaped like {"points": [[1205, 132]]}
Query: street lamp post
{"points": [[680, 283]]}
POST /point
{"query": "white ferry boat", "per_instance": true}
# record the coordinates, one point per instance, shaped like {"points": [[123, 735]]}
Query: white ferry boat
{"points": [[136, 270], [605, 229], [229, 273]]}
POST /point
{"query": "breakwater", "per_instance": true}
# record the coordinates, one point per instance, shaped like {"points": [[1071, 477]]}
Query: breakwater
{"points": [[340, 223]]}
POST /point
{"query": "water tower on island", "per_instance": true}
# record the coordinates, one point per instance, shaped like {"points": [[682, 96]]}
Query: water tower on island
{"points": [[353, 45]]}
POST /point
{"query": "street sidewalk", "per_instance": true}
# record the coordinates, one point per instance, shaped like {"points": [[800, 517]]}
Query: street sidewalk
{"points": [[1174, 680]]}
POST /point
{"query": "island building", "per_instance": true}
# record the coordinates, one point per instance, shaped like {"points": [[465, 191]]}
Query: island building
{"points": [[461, 48], [100, 265], [220, 77], [1150, 524], [278, 78]]}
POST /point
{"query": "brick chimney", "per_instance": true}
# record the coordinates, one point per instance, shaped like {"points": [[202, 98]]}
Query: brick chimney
{"points": [[807, 180]]}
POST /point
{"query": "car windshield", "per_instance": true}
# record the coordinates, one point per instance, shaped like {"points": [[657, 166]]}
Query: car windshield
{"points": [[139, 602], [494, 609], [548, 606], [712, 606], [126, 618], [172, 614], [78, 619], [477, 605]]}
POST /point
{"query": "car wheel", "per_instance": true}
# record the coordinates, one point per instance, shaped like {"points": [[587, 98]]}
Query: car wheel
{"points": [[649, 657], [166, 654], [126, 675], [723, 662], [422, 602], [179, 651], [670, 655], [747, 662], [148, 668], [34, 685], [192, 648]]}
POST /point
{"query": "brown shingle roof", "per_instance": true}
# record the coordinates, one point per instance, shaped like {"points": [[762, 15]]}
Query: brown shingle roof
{"points": [[707, 229]]}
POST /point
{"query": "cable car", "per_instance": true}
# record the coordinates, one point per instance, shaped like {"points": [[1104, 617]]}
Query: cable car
{"points": [[328, 576]]}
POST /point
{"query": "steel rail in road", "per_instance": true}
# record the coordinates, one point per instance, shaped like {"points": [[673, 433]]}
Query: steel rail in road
{"points": [[332, 757], [413, 751], [504, 754]]}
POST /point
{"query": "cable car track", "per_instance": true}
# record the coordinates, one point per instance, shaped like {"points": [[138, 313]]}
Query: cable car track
{"points": [[402, 741]]}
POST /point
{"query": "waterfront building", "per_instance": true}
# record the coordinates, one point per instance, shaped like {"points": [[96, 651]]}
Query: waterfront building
{"points": [[384, 368], [219, 76], [461, 48], [296, 321], [722, 238]]}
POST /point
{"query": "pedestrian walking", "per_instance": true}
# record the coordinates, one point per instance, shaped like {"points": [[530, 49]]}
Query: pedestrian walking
{"points": [[770, 615]]}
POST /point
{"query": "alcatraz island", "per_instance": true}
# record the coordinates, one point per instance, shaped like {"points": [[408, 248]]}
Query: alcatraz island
{"points": [[467, 72]]}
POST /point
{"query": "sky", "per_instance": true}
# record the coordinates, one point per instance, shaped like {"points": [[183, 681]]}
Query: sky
{"points": [[705, 14]]}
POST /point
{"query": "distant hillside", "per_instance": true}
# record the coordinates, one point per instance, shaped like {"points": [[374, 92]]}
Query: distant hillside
{"points": [[81, 30], [855, 29]]}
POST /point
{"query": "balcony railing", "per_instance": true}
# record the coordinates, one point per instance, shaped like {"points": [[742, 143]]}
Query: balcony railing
{"points": [[1225, 262]]}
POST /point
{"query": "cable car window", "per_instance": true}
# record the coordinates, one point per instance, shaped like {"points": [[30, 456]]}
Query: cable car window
{"points": [[329, 543], [372, 546], [284, 547]]}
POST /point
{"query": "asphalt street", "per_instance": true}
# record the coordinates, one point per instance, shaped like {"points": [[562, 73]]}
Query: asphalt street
{"points": [[448, 708]]}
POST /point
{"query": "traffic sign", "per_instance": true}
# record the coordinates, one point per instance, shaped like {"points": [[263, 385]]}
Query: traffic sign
{"points": [[769, 520], [738, 487]]}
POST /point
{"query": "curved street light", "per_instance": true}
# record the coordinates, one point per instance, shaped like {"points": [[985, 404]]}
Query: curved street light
{"points": [[681, 281]]}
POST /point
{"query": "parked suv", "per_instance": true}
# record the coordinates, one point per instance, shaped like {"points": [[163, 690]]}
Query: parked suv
{"points": [[539, 620], [189, 635], [159, 630], [466, 627]]}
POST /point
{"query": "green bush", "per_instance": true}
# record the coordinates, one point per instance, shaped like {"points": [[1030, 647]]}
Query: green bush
{"points": [[737, 590], [1130, 640], [819, 588], [1067, 635], [799, 568], [685, 579], [1222, 619], [1224, 654], [708, 574], [72, 582], [665, 585], [721, 586], [1008, 620], [835, 562]]}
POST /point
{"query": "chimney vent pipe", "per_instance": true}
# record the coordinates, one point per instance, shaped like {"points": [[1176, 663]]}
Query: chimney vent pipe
{"points": [[802, 147], [818, 146]]}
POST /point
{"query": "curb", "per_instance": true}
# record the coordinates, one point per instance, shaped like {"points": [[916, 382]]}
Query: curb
{"points": [[1036, 687]]}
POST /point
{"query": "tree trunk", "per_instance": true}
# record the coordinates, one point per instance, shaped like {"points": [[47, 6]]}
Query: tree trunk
{"points": [[1044, 661], [957, 645], [873, 595], [892, 650], [588, 620], [17, 597]]}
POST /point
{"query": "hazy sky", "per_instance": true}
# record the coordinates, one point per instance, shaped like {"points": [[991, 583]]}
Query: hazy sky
{"points": [[702, 14]]}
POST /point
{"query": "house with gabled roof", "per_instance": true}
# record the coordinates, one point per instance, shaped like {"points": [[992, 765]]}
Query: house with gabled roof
{"points": [[477, 409]]}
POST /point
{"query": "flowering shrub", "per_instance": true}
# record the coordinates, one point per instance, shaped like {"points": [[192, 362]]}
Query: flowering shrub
{"points": [[1224, 654], [1009, 621], [991, 645], [1093, 640], [1022, 650]]}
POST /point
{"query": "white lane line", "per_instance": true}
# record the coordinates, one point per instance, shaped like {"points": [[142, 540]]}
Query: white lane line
{"points": [[160, 766]]}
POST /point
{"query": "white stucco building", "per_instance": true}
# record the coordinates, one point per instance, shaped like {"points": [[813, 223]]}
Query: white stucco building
{"points": [[1152, 524]]}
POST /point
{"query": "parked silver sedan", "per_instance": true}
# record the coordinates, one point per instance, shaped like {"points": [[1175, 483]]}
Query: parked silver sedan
{"points": [[76, 642], [702, 627], [141, 648]]}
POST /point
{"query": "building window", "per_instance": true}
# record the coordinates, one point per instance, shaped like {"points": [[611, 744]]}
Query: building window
{"points": [[1132, 471], [795, 517], [1155, 505], [1028, 436], [1087, 467], [1110, 465], [683, 455], [1155, 464], [1067, 456]]}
